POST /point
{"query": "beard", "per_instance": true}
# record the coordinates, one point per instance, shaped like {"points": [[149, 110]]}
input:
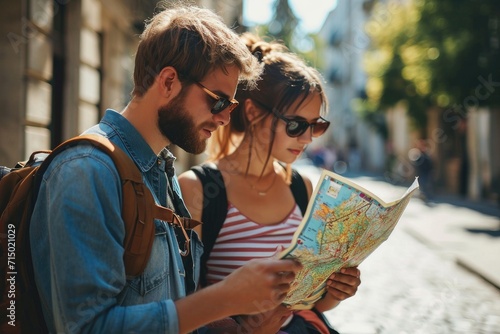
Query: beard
{"points": [[179, 128]]}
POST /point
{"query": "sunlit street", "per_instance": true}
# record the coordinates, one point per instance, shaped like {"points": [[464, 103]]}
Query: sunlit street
{"points": [[409, 285]]}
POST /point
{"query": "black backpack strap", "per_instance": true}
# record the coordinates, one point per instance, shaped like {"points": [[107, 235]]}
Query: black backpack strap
{"points": [[299, 191], [214, 209]]}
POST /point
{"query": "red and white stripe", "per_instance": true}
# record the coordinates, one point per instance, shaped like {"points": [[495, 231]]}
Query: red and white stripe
{"points": [[241, 240]]}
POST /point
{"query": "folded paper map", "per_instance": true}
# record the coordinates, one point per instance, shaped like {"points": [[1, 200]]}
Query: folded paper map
{"points": [[343, 224]]}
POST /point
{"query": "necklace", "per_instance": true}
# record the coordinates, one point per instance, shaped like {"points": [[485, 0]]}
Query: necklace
{"points": [[262, 192], [259, 192]]}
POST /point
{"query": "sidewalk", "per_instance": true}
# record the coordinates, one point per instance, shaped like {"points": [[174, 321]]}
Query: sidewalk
{"points": [[465, 231]]}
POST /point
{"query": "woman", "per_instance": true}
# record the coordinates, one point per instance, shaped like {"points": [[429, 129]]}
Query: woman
{"points": [[269, 130]]}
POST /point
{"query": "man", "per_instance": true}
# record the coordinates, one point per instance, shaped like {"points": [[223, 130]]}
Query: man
{"points": [[187, 68], [422, 163]]}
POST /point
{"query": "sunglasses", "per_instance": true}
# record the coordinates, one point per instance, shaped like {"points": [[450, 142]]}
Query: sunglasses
{"points": [[297, 126], [221, 103]]}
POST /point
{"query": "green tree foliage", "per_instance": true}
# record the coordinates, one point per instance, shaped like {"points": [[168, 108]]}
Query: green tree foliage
{"points": [[284, 27], [434, 52], [283, 23]]}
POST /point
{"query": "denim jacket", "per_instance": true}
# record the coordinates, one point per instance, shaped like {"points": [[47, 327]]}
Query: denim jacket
{"points": [[77, 235]]}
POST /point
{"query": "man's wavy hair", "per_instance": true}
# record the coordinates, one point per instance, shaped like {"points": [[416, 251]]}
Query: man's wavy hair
{"points": [[194, 41]]}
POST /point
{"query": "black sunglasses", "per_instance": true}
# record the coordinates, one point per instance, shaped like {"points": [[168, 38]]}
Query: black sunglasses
{"points": [[221, 103], [297, 126]]}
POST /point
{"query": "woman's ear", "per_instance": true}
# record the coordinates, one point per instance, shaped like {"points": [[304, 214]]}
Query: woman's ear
{"points": [[252, 111]]}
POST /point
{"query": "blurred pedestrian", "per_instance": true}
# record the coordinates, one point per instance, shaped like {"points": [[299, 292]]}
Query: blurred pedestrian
{"points": [[422, 162]]}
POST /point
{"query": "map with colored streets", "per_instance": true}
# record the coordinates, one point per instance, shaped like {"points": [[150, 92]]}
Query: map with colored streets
{"points": [[343, 224]]}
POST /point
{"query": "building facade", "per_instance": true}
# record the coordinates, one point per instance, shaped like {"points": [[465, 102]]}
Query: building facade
{"points": [[345, 40], [462, 142]]}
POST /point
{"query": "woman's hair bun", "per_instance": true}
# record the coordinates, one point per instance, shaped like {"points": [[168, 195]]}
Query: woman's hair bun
{"points": [[259, 47]]}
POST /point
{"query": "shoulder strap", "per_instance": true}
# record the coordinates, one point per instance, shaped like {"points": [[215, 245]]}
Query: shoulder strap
{"points": [[299, 191], [214, 203], [214, 209], [139, 208]]}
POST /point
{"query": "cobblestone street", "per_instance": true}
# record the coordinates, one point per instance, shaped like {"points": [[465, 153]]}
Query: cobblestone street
{"points": [[408, 287]]}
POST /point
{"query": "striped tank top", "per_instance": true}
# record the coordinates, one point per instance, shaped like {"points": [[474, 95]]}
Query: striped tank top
{"points": [[241, 240]]}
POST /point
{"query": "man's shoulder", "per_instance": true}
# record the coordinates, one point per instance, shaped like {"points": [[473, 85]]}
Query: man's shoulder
{"points": [[81, 158]]}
